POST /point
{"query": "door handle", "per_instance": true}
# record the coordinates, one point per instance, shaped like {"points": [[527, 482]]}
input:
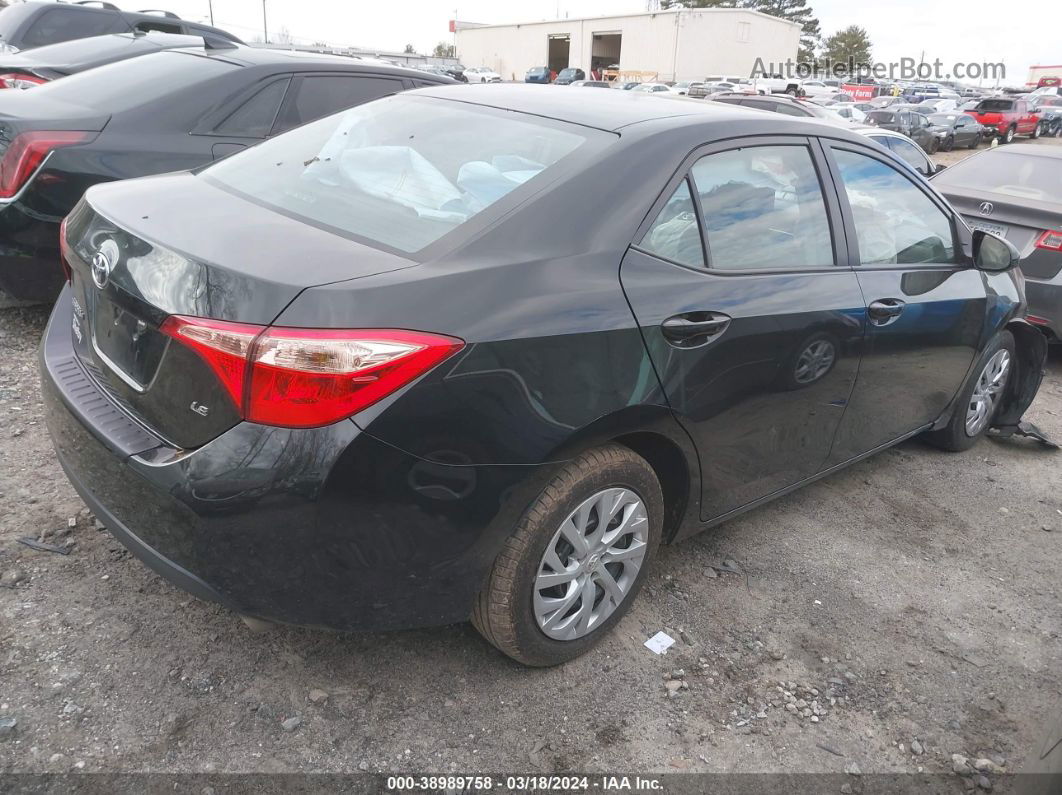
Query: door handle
{"points": [[691, 329], [885, 310]]}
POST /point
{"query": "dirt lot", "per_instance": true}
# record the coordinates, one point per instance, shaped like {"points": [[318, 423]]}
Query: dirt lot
{"points": [[912, 602]]}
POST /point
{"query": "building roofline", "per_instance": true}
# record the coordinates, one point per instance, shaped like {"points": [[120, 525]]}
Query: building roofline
{"points": [[667, 12]]}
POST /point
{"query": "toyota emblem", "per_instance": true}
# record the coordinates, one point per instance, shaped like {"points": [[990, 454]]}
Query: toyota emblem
{"points": [[103, 263], [986, 208]]}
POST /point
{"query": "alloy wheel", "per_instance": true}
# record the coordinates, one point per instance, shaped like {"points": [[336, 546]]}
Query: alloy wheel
{"points": [[591, 563], [987, 391]]}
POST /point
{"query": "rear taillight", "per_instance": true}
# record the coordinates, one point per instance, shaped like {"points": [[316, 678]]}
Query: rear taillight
{"points": [[1037, 320], [1050, 240], [64, 253], [306, 378], [20, 80], [27, 151]]}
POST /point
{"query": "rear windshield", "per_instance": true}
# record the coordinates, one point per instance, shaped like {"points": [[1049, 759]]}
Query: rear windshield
{"points": [[127, 84], [882, 116], [995, 105], [401, 171], [1008, 173]]}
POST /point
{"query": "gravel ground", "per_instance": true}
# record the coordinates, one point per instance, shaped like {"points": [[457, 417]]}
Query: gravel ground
{"points": [[881, 620]]}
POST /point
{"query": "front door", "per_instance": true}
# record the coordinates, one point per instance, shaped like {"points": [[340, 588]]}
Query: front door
{"points": [[752, 325], [926, 306]]}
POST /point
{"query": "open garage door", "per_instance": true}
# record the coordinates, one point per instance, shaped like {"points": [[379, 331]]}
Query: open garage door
{"points": [[557, 53], [605, 52]]}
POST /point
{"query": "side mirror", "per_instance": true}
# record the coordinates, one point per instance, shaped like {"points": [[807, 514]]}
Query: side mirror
{"points": [[939, 167], [993, 254]]}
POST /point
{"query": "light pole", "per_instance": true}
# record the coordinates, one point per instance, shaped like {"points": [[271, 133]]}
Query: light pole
{"points": [[265, 26]]}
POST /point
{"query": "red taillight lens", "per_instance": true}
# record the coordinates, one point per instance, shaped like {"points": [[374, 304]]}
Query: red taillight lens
{"points": [[306, 378], [1050, 240], [1037, 320], [20, 80], [64, 255], [27, 151]]}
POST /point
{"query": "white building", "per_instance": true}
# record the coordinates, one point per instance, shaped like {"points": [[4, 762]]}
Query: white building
{"points": [[679, 44]]}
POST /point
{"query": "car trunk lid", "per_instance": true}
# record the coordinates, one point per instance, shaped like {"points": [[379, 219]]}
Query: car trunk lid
{"points": [[243, 265]]}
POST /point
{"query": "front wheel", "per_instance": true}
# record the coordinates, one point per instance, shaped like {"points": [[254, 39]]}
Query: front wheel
{"points": [[576, 560], [976, 141], [979, 401], [934, 145], [949, 144]]}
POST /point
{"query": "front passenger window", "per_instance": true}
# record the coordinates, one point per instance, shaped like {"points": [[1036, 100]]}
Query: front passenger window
{"points": [[895, 222]]}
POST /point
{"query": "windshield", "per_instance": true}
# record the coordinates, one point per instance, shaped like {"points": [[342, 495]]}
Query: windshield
{"points": [[1001, 171], [401, 171], [569, 72], [882, 116], [11, 19], [537, 70], [136, 81], [943, 119], [995, 105]]}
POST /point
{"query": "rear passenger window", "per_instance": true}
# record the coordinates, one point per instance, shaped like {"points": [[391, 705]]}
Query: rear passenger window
{"points": [[323, 95], [763, 208], [255, 117], [895, 222], [675, 234]]}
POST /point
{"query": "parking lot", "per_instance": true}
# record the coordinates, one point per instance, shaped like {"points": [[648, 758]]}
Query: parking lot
{"points": [[880, 620]]}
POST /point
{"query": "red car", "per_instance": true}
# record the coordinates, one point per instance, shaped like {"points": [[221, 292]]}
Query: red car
{"points": [[1005, 117]]}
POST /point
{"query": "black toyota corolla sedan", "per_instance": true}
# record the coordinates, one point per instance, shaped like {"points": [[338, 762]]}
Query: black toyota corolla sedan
{"points": [[401, 367]]}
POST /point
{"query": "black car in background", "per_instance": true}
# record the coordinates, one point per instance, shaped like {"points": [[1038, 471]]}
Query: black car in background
{"points": [[569, 75], [956, 129], [166, 111], [1015, 192], [384, 370], [24, 26], [914, 125], [25, 70]]}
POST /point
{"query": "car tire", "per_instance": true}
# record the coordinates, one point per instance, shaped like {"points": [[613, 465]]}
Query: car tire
{"points": [[1036, 131], [956, 436], [1008, 136], [509, 612], [976, 142], [949, 144], [793, 92], [934, 145]]}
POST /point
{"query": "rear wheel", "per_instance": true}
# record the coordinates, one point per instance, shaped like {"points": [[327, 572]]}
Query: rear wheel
{"points": [[934, 145], [1008, 136], [976, 141], [979, 401], [949, 143], [1036, 131], [576, 560]]}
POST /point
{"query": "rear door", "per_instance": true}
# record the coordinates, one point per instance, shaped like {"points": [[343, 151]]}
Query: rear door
{"points": [[751, 316], [926, 307]]}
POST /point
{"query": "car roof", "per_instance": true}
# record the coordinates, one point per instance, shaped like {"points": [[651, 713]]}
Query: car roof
{"points": [[615, 110], [244, 55], [1035, 150]]}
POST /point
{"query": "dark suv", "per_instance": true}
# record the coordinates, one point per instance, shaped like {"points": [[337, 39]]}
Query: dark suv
{"points": [[166, 111], [29, 25]]}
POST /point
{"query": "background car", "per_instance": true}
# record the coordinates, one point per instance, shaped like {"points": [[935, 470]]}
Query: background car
{"points": [[847, 110], [481, 74], [165, 111], [903, 148], [956, 129], [914, 125], [652, 88], [1004, 118], [24, 26], [683, 87], [1015, 192], [591, 84], [538, 74], [785, 104], [569, 75], [416, 461], [39, 65]]}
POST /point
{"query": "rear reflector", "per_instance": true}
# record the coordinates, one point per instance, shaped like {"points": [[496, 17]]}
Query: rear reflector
{"points": [[1037, 320], [27, 151], [1050, 240], [306, 378], [20, 80]]}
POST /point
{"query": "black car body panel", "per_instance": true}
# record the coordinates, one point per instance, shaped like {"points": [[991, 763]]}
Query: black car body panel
{"points": [[70, 57], [25, 26], [393, 516], [194, 120]]}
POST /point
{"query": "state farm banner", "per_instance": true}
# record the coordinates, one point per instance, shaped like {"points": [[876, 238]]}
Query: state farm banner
{"points": [[858, 91]]}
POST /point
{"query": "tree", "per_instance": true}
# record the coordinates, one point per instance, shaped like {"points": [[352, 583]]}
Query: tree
{"points": [[410, 50], [666, 4], [793, 11], [850, 44], [443, 50]]}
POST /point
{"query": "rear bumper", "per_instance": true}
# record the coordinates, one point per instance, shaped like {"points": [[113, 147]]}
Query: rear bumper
{"points": [[29, 255], [324, 527], [1045, 301]]}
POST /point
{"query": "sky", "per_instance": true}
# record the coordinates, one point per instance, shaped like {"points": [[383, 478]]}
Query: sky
{"points": [[971, 30]]}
